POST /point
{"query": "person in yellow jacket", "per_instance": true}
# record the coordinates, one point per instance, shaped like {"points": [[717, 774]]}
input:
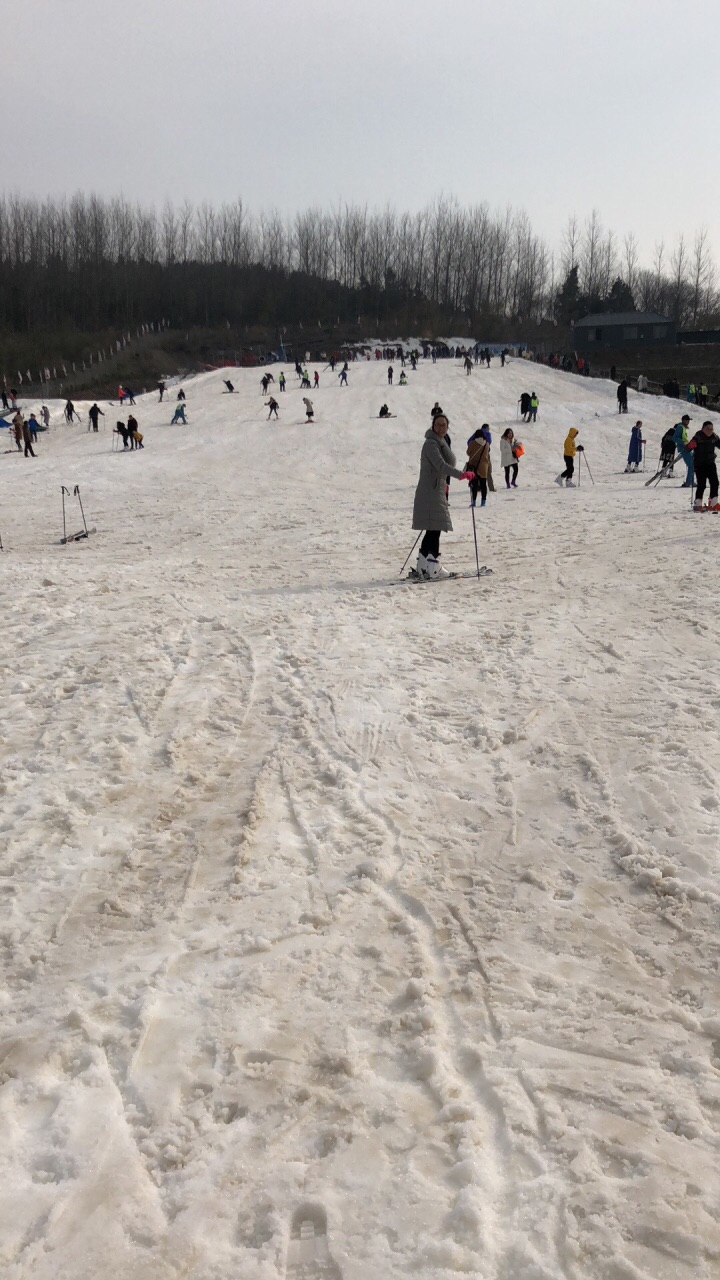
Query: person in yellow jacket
{"points": [[570, 448]]}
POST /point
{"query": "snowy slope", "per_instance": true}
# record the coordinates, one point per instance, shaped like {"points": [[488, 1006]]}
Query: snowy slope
{"points": [[383, 909]]}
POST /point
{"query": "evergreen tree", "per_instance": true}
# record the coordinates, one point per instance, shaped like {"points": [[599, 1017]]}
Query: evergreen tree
{"points": [[619, 298]]}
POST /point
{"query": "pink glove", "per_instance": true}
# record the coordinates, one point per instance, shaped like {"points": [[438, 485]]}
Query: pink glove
{"points": [[468, 475]]}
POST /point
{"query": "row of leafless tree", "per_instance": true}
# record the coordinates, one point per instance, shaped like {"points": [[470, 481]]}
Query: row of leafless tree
{"points": [[681, 281], [467, 259]]}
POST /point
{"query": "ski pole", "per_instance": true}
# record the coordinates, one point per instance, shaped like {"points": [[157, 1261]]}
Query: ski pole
{"points": [[587, 464], [76, 492], [477, 557], [412, 549], [63, 491]]}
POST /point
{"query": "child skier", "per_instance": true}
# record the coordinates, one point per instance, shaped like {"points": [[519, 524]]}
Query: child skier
{"points": [[281, 381], [273, 406], [636, 446], [680, 438], [667, 451], [179, 416]]}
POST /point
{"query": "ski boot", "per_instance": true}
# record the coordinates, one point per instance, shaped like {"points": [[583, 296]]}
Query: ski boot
{"points": [[699, 505], [435, 569], [421, 568], [570, 484], [559, 480]]}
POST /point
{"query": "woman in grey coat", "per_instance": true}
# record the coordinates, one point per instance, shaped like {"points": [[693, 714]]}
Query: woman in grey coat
{"points": [[431, 510]]}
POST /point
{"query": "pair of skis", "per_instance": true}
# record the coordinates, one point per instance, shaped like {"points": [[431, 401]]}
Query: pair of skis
{"points": [[83, 533], [414, 576], [664, 472]]}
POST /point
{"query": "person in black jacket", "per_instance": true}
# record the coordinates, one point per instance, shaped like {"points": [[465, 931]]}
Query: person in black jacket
{"points": [[525, 405], [622, 393], [703, 445], [667, 451]]}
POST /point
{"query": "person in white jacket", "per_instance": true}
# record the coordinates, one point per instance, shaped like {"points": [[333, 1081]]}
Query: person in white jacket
{"points": [[508, 457]]}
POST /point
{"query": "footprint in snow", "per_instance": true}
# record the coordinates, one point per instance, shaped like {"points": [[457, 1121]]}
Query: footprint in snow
{"points": [[309, 1257]]}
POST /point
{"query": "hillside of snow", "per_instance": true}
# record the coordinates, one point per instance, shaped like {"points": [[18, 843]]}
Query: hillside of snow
{"points": [[354, 928]]}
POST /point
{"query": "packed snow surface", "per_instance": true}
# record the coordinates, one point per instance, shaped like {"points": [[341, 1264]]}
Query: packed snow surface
{"points": [[356, 928]]}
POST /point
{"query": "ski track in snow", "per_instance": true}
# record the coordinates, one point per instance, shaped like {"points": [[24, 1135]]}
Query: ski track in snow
{"points": [[353, 933]]}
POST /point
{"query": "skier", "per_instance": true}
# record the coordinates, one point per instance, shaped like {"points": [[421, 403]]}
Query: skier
{"points": [[130, 395], [691, 392], [430, 509], [70, 411], [181, 394], [179, 416], [468, 366], [308, 409], [161, 389], [305, 381], [121, 395], [45, 415], [281, 381], [316, 377], [524, 405], [680, 439], [264, 382], [33, 428], [509, 457], [667, 451], [18, 429], [384, 412], [488, 357], [343, 376], [478, 451], [403, 379], [27, 439], [134, 433], [622, 394], [569, 451], [635, 450], [121, 430], [273, 406], [229, 386], [390, 375], [93, 414], [703, 446], [534, 406]]}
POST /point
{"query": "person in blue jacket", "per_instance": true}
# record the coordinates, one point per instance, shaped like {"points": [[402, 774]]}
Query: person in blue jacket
{"points": [[636, 447], [680, 436]]}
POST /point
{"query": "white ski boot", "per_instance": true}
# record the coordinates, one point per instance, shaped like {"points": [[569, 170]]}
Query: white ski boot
{"points": [[570, 484], [559, 480], [435, 569], [421, 568]]}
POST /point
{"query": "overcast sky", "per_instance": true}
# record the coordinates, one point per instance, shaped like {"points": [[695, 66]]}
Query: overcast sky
{"points": [[555, 106]]}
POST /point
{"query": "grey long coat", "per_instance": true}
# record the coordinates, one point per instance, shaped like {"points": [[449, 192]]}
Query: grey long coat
{"points": [[437, 461]]}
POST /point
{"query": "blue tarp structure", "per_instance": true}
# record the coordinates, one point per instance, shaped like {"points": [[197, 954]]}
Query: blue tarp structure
{"points": [[3, 423]]}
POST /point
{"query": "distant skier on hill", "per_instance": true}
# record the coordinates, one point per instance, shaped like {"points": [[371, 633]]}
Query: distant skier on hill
{"points": [[93, 413], [467, 362], [384, 412], [229, 386], [309, 410], [161, 389], [273, 406], [281, 381], [534, 406], [524, 405], [622, 396], [390, 375], [179, 416], [343, 376]]}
